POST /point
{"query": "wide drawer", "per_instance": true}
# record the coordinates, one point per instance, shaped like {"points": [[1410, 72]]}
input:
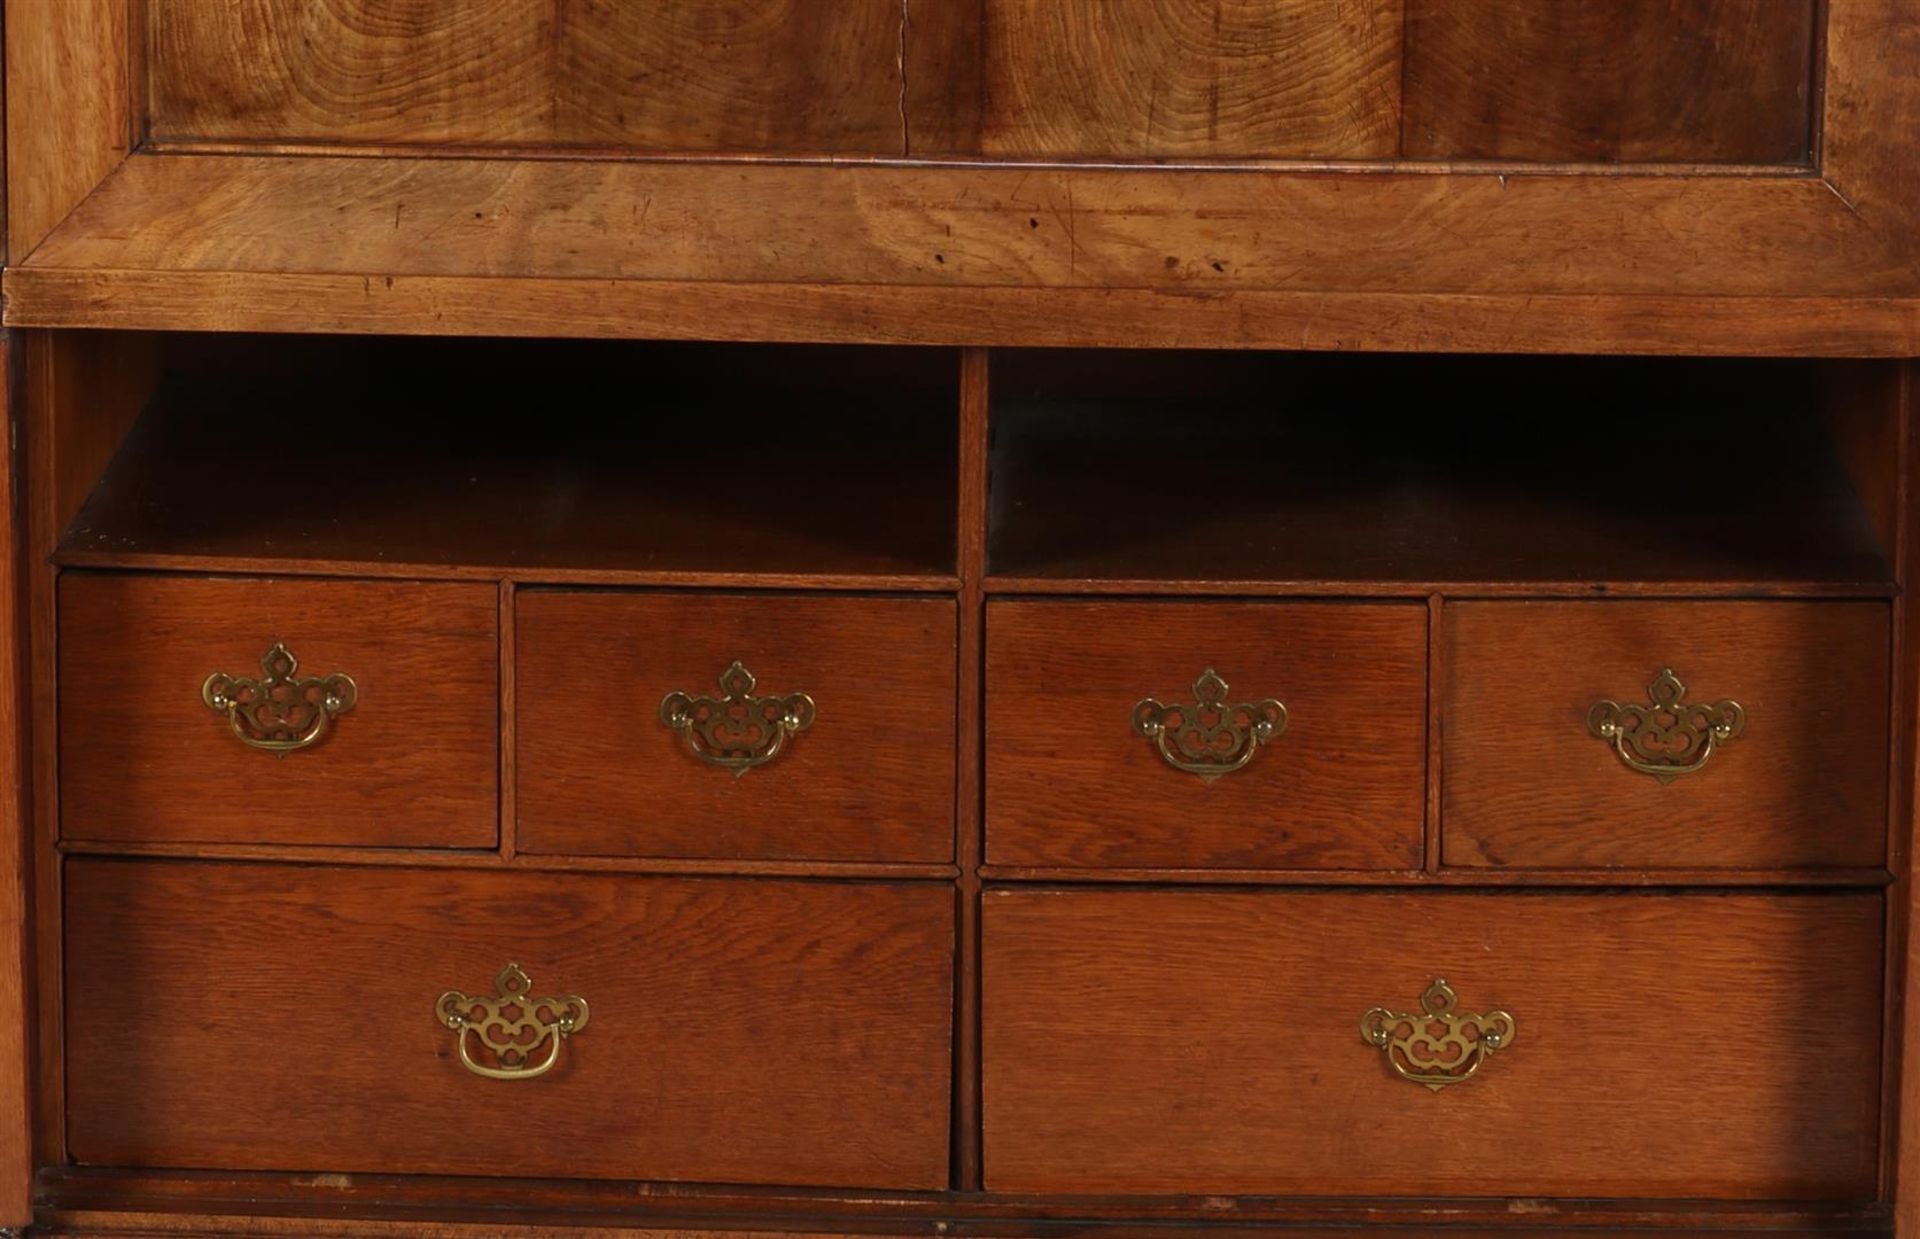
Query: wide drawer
{"points": [[266, 1017], [1568, 744], [808, 728], [1713, 1046], [1206, 735], [261, 710]]}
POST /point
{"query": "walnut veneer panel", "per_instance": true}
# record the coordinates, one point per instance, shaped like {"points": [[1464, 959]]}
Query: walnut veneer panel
{"points": [[1700, 81], [412, 764], [1705, 1046], [871, 778], [1526, 783], [1069, 782], [1166, 78], [272, 1017], [686, 75]]}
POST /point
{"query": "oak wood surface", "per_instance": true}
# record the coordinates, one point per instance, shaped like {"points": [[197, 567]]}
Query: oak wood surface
{"points": [[755, 75], [599, 773], [1168, 78], [1526, 784], [721, 1046], [1070, 783], [1209, 1042], [1686, 81], [979, 227], [142, 757], [68, 109]]}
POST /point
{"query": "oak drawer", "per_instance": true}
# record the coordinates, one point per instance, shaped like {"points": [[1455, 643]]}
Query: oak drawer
{"points": [[266, 1017], [145, 755], [1662, 1045], [1074, 780], [1530, 780], [868, 777]]}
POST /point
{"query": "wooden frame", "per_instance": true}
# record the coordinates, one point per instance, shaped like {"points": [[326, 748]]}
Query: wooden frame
{"points": [[974, 252], [106, 234]]}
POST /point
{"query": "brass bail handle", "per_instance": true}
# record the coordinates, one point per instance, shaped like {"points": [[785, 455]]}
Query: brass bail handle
{"points": [[280, 712], [737, 730], [1438, 1045], [518, 1034], [1670, 736], [1208, 736]]}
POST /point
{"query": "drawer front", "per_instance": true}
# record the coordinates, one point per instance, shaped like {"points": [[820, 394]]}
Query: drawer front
{"points": [[859, 767], [1084, 771], [1796, 777], [150, 751], [737, 1031], [1710, 1046]]}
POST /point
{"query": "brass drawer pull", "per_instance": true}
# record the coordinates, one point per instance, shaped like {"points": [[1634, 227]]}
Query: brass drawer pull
{"points": [[1670, 737], [1209, 737], [279, 712], [1436, 1046], [512, 1026], [738, 731]]}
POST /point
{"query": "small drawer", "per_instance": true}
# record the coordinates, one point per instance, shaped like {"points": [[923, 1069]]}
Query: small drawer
{"points": [[1664, 734], [735, 726], [1206, 735], [1649, 1045], [693, 1033], [277, 710]]}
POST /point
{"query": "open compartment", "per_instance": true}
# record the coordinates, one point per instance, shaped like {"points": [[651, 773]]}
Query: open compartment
{"points": [[615, 460], [1291, 472]]}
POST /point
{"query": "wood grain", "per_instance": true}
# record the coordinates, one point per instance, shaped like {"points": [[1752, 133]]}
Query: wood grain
{"points": [[956, 227], [367, 70], [599, 774], [107, 1195], [143, 758], [732, 75], [723, 1046], [68, 109], [1683, 81], [1183, 1042], [17, 836], [1170, 78], [1069, 783], [1525, 784], [868, 314]]}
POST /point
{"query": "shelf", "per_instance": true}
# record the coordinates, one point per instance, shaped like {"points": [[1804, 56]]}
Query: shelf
{"points": [[608, 462], [1325, 474], [954, 252]]}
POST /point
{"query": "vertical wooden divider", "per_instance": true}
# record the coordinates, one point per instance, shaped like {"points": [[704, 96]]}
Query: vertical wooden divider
{"points": [[16, 1047], [508, 803], [970, 549], [1432, 860], [1900, 1129], [42, 528]]}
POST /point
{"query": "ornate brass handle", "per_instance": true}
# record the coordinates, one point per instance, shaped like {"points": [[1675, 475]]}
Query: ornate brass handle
{"points": [[1436, 1046], [1670, 737], [279, 712], [1209, 737], [512, 1027], [738, 731]]}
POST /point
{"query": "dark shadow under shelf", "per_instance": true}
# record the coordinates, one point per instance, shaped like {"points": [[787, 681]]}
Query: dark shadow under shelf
{"points": [[667, 463], [1221, 474]]}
